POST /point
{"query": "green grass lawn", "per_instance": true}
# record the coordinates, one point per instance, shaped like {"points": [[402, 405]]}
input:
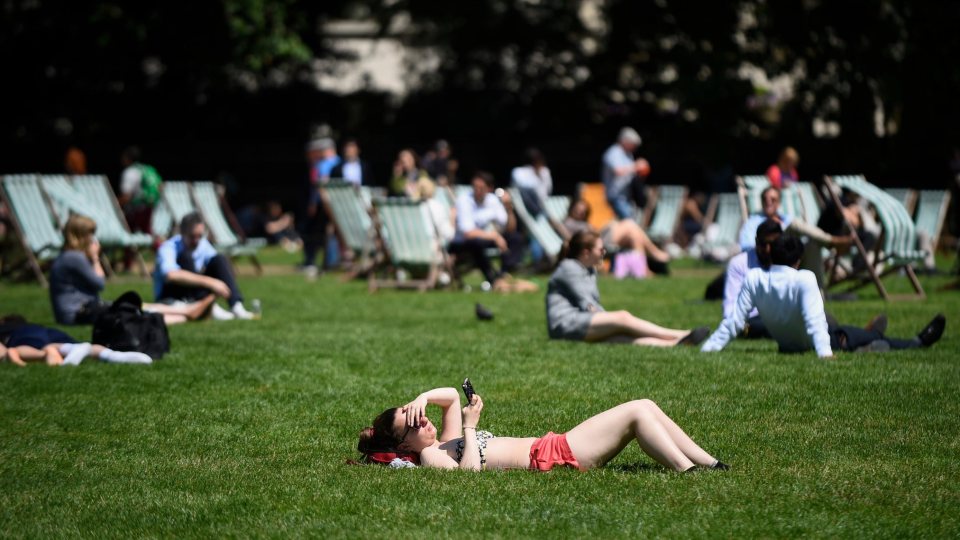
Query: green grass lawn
{"points": [[245, 427]]}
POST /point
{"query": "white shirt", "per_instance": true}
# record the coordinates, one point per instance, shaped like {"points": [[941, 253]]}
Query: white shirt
{"points": [[527, 177], [471, 215], [130, 181], [790, 306], [737, 269], [352, 172]]}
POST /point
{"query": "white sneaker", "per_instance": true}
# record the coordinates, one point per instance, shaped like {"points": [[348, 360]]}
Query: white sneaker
{"points": [[220, 314], [241, 312]]}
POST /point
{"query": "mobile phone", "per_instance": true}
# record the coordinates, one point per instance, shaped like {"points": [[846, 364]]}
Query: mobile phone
{"points": [[468, 390]]}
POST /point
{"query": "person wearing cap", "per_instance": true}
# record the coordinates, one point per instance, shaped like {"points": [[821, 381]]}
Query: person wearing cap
{"points": [[619, 169]]}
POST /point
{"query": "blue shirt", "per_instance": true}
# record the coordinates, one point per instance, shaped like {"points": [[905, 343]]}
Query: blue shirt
{"points": [[167, 259], [325, 167], [614, 158], [748, 232]]}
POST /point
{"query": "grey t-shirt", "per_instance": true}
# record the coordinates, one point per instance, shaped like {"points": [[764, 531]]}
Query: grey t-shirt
{"points": [[73, 283]]}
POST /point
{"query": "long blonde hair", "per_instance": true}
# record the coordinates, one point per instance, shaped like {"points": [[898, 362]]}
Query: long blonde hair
{"points": [[78, 232]]}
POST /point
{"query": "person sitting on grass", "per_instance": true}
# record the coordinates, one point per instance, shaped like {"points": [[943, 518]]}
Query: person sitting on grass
{"points": [[574, 311], [77, 277], [402, 435], [637, 251], [188, 269], [21, 342], [791, 307]]}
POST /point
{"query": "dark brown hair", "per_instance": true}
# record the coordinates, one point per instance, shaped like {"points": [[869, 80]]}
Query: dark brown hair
{"points": [[580, 241], [378, 443]]}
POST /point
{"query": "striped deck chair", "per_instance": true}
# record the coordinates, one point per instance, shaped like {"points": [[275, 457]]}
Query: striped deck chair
{"points": [[411, 242], [810, 201], [906, 196], [557, 207], [667, 202], [932, 209], [798, 199], [33, 220], [723, 220], [179, 201], [346, 207], [539, 228], [897, 248], [93, 197], [218, 217], [161, 221]]}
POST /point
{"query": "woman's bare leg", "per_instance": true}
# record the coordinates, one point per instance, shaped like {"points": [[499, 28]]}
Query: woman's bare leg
{"points": [[607, 324], [600, 438], [689, 448], [628, 235], [191, 311]]}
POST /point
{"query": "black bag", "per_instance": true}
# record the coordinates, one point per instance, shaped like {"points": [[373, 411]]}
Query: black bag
{"points": [[124, 327]]}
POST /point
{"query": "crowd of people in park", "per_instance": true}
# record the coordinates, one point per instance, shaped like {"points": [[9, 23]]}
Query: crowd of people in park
{"points": [[772, 289]]}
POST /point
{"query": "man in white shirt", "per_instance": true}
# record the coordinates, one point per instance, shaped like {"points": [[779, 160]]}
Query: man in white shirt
{"points": [[791, 307], [737, 268], [481, 216]]}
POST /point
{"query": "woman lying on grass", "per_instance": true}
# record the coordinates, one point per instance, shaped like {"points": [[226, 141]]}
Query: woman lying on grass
{"points": [[574, 311], [404, 435]]}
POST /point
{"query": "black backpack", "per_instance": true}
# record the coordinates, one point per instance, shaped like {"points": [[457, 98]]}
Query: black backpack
{"points": [[125, 327]]}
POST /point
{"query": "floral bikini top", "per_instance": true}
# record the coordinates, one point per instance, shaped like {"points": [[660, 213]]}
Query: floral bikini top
{"points": [[482, 438]]}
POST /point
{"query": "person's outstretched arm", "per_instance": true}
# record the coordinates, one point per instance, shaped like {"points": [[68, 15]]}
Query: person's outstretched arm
{"points": [[731, 326], [814, 316], [448, 399]]}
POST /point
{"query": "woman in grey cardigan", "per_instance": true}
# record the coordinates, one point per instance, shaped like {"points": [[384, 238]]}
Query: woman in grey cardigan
{"points": [[574, 311], [77, 277]]}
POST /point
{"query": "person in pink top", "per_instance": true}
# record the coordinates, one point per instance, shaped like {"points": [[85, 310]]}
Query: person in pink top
{"points": [[784, 171], [404, 437]]}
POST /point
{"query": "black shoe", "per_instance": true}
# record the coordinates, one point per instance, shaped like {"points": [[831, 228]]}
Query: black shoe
{"points": [[720, 466], [696, 336], [877, 324], [933, 331], [483, 313], [657, 267]]}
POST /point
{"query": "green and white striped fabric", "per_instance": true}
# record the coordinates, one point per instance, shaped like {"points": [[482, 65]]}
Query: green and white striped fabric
{"points": [[161, 222], [932, 208], [112, 229], [179, 201], [350, 215], [538, 227], [728, 219], [408, 232], [666, 215], [899, 232], [811, 205], [36, 221], [557, 207], [208, 203], [903, 195]]}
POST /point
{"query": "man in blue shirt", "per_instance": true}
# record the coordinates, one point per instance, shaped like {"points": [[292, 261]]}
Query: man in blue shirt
{"points": [[188, 268], [619, 169]]}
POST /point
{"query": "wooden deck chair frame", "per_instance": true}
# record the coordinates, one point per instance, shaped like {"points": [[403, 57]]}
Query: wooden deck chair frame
{"points": [[399, 230], [353, 224], [873, 276], [221, 221], [652, 219], [47, 251], [100, 194]]}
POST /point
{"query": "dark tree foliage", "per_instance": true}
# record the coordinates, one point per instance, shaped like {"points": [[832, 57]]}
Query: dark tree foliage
{"points": [[227, 85]]}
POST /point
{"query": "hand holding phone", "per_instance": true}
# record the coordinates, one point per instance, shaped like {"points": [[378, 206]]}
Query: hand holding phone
{"points": [[468, 390]]}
